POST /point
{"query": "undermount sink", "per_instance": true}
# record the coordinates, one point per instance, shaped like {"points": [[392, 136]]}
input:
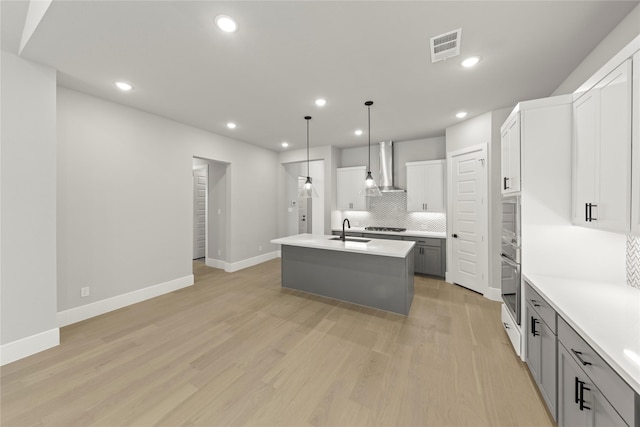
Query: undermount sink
{"points": [[352, 239]]}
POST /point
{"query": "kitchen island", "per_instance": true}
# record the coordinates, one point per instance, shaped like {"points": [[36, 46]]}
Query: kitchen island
{"points": [[371, 272]]}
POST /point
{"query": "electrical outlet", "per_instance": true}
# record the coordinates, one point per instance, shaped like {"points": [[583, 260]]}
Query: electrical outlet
{"points": [[219, 211], [259, 248], [423, 226], [219, 252], [84, 292]]}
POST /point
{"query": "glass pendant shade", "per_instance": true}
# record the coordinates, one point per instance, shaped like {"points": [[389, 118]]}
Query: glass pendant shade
{"points": [[307, 191], [369, 188]]}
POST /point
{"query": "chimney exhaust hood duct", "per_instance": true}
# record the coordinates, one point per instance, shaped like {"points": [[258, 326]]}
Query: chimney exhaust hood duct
{"points": [[386, 168]]}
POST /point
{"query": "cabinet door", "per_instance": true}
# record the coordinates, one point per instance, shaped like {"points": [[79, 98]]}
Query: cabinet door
{"points": [[533, 351], [434, 187], [548, 370], [614, 154], [510, 156], [600, 412], [635, 134], [418, 257], [416, 177], [432, 260], [569, 375], [602, 153], [585, 131], [348, 184]]}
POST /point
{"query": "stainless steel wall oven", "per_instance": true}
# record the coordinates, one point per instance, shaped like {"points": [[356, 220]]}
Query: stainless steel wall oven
{"points": [[510, 256]]}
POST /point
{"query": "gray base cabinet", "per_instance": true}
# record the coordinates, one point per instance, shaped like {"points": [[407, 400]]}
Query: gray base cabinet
{"points": [[429, 255], [581, 403], [541, 347]]}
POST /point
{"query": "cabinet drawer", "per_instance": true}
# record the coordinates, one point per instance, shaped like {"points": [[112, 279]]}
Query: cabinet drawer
{"points": [[544, 310], [616, 390], [424, 241]]}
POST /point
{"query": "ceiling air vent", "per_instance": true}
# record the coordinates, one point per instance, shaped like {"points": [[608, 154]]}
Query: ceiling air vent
{"points": [[445, 45]]}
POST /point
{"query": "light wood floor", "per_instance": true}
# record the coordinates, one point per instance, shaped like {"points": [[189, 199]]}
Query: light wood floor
{"points": [[236, 349]]}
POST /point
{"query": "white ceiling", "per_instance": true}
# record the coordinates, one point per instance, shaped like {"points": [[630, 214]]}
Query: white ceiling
{"points": [[266, 76]]}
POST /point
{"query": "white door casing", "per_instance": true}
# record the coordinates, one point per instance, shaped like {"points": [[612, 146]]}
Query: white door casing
{"points": [[200, 178], [467, 252]]}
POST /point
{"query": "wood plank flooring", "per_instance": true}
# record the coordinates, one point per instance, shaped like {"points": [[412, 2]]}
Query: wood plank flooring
{"points": [[236, 349]]}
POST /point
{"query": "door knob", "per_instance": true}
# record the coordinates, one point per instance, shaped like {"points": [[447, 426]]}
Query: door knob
{"points": [[454, 235]]}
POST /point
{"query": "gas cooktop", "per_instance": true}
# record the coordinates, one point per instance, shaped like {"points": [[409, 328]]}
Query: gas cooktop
{"points": [[396, 229]]}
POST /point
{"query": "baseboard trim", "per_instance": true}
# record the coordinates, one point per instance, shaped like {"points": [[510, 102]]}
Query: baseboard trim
{"points": [[250, 262], [279, 253], [97, 308], [215, 263], [33, 344]]}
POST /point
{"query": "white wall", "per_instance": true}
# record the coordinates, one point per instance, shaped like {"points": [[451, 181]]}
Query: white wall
{"points": [[28, 208], [125, 198], [619, 37]]}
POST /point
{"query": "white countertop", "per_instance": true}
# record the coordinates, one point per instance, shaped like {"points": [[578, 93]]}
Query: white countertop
{"points": [[606, 315], [381, 247], [417, 233]]}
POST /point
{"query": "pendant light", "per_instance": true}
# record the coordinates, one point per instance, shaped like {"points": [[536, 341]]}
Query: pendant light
{"points": [[369, 189], [307, 191]]}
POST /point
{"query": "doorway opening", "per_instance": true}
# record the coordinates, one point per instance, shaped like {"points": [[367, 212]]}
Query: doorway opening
{"points": [[210, 212], [304, 215]]}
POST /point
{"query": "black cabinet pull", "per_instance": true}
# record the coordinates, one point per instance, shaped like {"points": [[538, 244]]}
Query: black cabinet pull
{"points": [[582, 389], [504, 183], [591, 218], [533, 327], [535, 303], [576, 391], [578, 355], [586, 212]]}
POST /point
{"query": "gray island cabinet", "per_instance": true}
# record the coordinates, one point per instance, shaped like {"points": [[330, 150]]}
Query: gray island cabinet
{"points": [[375, 273]]}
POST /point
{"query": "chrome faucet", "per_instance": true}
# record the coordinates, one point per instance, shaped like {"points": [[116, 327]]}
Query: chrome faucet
{"points": [[344, 236]]}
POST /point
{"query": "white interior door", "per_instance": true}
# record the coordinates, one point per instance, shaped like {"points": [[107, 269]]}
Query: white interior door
{"points": [[468, 224], [199, 211]]}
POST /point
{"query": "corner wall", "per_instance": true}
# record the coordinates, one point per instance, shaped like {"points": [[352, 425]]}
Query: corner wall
{"points": [[125, 200], [27, 209]]}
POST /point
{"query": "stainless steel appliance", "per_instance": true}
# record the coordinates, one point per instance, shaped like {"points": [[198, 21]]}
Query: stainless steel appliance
{"points": [[510, 256]]}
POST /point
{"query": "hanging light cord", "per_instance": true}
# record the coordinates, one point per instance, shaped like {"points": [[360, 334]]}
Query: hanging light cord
{"points": [[307, 118], [369, 135]]}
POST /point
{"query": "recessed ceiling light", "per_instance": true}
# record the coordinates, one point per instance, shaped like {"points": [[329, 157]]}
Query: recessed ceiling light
{"points": [[124, 86], [231, 125], [226, 23], [470, 61], [285, 144], [461, 114], [321, 102], [358, 132]]}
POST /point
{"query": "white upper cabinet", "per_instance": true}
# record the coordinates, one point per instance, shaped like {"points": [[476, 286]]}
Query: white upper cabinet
{"points": [[349, 181], [602, 153], [635, 185], [510, 154], [425, 186]]}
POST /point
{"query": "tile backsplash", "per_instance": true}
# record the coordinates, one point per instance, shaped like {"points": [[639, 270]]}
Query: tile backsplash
{"points": [[633, 261], [390, 210]]}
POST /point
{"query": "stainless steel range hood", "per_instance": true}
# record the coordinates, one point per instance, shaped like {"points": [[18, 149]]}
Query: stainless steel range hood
{"points": [[386, 168]]}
